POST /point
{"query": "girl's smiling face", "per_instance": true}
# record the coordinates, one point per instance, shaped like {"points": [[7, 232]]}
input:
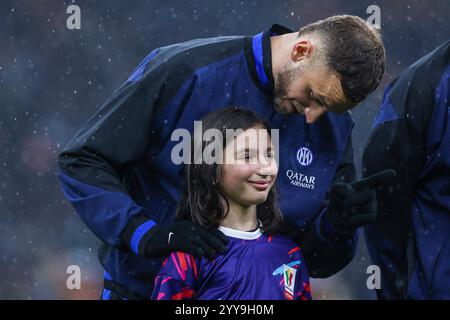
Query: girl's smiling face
{"points": [[249, 170]]}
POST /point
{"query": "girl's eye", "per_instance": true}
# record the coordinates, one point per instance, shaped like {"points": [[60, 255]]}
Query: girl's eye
{"points": [[247, 156]]}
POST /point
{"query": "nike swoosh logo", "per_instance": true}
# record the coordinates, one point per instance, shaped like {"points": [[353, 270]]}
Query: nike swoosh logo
{"points": [[170, 235]]}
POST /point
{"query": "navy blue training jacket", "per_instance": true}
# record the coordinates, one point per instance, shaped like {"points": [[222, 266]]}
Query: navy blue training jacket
{"points": [[410, 240], [117, 173]]}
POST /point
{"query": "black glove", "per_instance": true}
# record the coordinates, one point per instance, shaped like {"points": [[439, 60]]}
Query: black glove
{"points": [[354, 205], [188, 237], [291, 231]]}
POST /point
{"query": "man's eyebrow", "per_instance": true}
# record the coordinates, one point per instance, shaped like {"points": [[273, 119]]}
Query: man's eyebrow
{"points": [[320, 99]]}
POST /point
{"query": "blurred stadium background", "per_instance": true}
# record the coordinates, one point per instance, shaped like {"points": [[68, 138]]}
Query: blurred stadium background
{"points": [[52, 79]]}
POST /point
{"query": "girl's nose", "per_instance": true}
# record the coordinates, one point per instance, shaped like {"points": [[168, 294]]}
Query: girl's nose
{"points": [[267, 166]]}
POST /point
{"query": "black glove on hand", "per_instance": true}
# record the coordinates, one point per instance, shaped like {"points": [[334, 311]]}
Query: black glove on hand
{"points": [[354, 205], [188, 237], [291, 231]]}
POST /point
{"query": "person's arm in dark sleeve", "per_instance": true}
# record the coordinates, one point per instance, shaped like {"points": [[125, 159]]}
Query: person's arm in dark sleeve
{"points": [[400, 140], [95, 165], [326, 251], [388, 147]]}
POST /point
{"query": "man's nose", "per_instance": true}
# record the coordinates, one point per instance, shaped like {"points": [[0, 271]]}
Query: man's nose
{"points": [[313, 114]]}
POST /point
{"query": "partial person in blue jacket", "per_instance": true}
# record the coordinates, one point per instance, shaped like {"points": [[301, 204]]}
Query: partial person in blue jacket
{"points": [[410, 239], [117, 170]]}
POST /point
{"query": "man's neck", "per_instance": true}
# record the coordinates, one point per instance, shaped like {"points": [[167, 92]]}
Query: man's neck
{"points": [[240, 217], [280, 50]]}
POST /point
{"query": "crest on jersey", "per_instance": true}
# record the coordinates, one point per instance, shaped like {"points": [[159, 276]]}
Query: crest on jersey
{"points": [[304, 156]]}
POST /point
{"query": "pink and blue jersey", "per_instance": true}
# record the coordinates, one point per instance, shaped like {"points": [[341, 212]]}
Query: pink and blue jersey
{"points": [[256, 267]]}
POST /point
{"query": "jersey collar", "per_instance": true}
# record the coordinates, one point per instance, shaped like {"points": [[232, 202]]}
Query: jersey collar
{"points": [[245, 235]]}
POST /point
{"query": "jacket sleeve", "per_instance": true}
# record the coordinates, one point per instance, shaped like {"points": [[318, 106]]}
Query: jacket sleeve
{"points": [[399, 139], [325, 252], [94, 165], [387, 148]]}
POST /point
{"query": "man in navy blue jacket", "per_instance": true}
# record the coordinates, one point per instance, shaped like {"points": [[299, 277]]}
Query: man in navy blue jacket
{"points": [[117, 170], [410, 239]]}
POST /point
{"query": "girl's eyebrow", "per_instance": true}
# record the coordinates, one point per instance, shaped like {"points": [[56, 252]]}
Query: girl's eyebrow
{"points": [[269, 148], [244, 150]]}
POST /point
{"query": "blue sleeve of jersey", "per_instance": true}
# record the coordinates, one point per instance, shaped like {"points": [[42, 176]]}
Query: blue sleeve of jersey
{"points": [[303, 285], [177, 278], [302, 278]]}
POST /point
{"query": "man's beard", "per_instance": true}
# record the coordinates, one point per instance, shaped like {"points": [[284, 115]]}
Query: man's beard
{"points": [[283, 81]]}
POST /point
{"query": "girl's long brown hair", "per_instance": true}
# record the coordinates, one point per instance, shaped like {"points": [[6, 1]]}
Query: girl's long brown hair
{"points": [[201, 199]]}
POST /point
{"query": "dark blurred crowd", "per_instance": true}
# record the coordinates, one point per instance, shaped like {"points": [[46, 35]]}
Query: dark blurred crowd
{"points": [[52, 79]]}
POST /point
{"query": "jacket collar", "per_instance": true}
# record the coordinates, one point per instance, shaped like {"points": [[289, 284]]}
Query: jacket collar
{"points": [[259, 57]]}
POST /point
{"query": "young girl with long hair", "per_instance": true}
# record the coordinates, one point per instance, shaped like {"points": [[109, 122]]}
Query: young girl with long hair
{"points": [[238, 197]]}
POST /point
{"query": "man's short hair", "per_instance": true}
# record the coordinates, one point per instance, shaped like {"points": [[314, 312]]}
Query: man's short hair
{"points": [[354, 50]]}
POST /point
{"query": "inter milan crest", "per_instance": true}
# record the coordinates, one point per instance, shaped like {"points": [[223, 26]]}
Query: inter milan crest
{"points": [[304, 156]]}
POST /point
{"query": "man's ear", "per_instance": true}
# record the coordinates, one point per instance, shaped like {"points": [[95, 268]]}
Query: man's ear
{"points": [[302, 49]]}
